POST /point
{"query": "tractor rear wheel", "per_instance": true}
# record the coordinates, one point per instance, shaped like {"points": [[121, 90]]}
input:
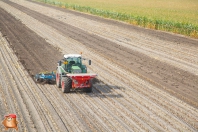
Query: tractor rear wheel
{"points": [[66, 83], [58, 80]]}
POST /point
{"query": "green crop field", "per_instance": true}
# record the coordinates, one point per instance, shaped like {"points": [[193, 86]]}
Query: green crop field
{"points": [[179, 16]]}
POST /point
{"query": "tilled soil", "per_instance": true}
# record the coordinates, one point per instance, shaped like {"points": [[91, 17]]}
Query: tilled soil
{"points": [[134, 77], [32, 50]]}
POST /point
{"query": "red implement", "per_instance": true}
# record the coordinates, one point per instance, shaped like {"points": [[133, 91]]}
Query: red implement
{"points": [[81, 80]]}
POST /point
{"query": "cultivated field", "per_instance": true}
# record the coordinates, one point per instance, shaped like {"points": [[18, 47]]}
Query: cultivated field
{"points": [[172, 10], [147, 80]]}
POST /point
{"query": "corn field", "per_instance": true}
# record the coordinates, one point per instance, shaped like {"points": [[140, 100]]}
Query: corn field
{"points": [[187, 29]]}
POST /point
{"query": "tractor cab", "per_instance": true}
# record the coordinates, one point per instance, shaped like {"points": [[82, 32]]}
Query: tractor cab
{"points": [[72, 63]]}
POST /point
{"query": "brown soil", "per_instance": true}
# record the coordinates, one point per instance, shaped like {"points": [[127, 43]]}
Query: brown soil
{"points": [[33, 51]]}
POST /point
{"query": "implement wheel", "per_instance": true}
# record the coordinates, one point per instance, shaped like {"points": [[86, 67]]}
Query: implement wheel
{"points": [[58, 80], [36, 78], [66, 84]]}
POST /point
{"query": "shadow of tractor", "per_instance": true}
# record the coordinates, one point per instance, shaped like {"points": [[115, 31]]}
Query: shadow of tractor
{"points": [[102, 90]]}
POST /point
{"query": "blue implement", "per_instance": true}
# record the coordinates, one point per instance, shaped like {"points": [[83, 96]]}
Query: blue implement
{"points": [[45, 76]]}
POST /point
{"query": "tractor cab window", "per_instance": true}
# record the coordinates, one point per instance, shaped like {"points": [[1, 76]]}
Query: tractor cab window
{"points": [[75, 60]]}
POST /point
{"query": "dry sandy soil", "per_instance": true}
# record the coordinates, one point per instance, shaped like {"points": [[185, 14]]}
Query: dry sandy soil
{"points": [[147, 80]]}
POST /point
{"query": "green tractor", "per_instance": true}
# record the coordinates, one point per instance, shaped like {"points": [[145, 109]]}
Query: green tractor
{"points": [[72, 74]]}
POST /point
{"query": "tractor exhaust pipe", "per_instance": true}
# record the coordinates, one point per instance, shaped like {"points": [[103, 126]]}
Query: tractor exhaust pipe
{"points": [[59, 63], [89, 62]]}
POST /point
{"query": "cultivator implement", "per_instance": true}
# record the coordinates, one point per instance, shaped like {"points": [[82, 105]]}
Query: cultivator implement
{"points": [[45, 77]]}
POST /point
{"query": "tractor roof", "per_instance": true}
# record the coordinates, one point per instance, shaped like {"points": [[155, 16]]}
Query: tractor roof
{"points": [[72, 55]]}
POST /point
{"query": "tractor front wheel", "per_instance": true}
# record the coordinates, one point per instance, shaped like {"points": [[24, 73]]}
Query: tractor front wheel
{"points": [[58, 80], [66, 84]]}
